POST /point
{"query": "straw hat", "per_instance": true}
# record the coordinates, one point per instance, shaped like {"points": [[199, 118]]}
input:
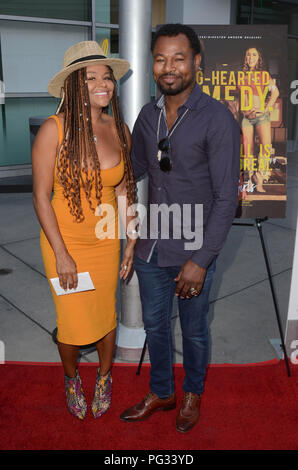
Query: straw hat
{"points": [[81, 55]]}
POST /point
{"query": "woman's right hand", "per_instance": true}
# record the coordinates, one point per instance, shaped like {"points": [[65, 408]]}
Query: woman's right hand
{"points": [[67, 271]]}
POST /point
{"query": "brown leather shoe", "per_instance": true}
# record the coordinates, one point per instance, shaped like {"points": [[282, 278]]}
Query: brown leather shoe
{"points": [[189, 412], [148, 406]]}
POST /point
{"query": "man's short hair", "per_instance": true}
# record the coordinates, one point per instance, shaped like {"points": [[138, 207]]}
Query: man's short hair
{"points": [[172, 30]]}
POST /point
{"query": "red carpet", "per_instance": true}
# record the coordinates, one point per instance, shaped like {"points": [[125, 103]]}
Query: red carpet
{"points": [[253, 407]]}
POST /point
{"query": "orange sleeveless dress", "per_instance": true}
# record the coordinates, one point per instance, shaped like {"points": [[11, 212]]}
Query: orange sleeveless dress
{"points": [[85, 317]]}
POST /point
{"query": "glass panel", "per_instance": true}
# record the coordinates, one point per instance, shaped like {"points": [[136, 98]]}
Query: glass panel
{"points": [[107, 11], [24, 47], [108, 40], [15, 147], [266, 12], [102, 11], [78, 10], [115, 42], [114, 8]]}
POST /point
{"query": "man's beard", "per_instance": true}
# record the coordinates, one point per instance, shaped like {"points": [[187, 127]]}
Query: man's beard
{"points": [[170, 91]]}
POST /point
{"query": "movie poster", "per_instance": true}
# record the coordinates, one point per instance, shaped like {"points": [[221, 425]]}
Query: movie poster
{"points": [[245, 67]]}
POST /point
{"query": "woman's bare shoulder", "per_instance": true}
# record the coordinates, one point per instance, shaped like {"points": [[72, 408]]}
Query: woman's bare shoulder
{"points": [[48, 129], [48, 133]]}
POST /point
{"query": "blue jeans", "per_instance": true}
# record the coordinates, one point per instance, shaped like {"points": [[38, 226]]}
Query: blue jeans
{"points": [[157, 289]]}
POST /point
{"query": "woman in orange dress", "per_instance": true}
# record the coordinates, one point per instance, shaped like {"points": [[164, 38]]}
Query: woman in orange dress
{"points": [[83, 155]]}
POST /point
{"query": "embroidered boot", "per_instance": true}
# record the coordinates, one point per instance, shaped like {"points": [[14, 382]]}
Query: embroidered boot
{"points": [[75, 397], [102, 394]]}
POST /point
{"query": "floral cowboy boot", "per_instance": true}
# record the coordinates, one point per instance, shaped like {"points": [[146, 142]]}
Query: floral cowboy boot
{"points": [[102, 394], [75, 397]]}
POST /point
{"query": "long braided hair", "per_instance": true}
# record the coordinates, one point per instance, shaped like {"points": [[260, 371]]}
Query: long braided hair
{"points": [[78, 165]]}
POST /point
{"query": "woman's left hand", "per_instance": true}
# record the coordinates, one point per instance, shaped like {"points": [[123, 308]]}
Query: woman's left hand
{"points": [[127, 261]]}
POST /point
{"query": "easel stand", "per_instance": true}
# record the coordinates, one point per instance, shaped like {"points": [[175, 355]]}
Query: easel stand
{"points": [[258, 224]]}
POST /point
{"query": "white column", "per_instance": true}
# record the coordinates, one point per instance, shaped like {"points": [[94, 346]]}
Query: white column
{"points": [[135, 26]]}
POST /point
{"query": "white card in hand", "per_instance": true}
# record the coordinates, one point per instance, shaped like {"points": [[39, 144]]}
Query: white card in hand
{"points": [[84, 283]]}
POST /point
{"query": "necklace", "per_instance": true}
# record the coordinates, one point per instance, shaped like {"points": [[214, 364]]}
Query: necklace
{"points": [[165, 163], [162, 112]]}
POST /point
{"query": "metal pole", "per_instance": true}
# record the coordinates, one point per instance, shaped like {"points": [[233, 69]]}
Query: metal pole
{"points": [[259, 227], [258, 224], [135, 26], [93, 21]]}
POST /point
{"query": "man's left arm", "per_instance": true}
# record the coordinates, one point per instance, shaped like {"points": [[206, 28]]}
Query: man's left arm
{"points": [[223, 147]]}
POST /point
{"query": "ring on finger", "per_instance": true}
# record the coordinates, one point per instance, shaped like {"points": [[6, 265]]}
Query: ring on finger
{"points": [[193, 291]]}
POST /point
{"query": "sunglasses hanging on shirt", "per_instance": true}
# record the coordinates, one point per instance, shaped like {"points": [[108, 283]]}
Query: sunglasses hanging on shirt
{"points": [[165, 163]]}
